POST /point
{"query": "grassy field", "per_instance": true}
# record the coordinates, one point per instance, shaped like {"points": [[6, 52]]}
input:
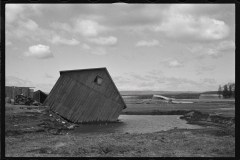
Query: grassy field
{"points": [[32, 132], [226, 108]]}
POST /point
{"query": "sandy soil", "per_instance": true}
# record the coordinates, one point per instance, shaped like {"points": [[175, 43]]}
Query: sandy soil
{"points": [[34, 133]]}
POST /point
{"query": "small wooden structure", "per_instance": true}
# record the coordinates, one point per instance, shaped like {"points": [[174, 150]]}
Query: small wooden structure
{"points": [[12, 91], [87, 95], [39, 96], [159, 97]]}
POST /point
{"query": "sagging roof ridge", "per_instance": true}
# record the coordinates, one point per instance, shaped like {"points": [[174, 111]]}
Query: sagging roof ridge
{"points": [[76, 70]]}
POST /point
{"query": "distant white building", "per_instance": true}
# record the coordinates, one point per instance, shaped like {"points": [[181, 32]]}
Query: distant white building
{"points": [[159, 97], [210, 96], [168, 100]]}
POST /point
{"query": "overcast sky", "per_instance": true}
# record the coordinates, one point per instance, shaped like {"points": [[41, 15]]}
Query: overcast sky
{"points": [[162, 47]]}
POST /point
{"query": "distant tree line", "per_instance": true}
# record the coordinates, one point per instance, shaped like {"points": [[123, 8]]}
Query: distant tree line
{"points": [[227, 91]]}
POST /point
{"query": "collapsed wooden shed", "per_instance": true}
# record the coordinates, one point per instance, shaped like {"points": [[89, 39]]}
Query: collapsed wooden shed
{"points": [[87, 95], [39, 96]]}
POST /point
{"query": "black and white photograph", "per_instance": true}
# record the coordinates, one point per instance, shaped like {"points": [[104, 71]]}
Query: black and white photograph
{"points": [[119, 80]]}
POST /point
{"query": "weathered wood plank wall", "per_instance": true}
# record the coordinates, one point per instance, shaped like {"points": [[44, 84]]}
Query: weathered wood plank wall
{"points": [[78, 98]]}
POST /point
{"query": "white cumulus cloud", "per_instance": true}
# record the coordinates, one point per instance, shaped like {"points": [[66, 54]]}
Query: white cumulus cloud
{"points": [[8, 43], [88, 27], [104, 40], [226, 45], [48, 76], [208, 80], [59, 40], [193, 28], [214, 50], [147, 43], [171, 63], [13, 11], [84, 26], [39, 51], [85, 46], [16, 81], [29, 24], [175, 63], [204, 69], [99, 51], [62, 26]]}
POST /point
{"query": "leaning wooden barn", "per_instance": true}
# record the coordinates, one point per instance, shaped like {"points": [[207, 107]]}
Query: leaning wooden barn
{"points": [[87, 95]]}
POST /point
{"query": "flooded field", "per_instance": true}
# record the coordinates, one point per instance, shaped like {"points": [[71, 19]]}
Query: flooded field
{"points": [[139, 124], [36, 132]]}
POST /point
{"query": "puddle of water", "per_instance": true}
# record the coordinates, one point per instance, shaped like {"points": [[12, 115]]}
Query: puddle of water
{"points": [[138, 124]]}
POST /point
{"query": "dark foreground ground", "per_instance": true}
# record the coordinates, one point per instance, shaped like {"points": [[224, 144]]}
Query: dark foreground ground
{"points": [[39, 133]]}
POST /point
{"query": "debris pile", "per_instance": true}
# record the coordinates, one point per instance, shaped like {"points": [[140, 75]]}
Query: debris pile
{"points": [[20, 99], [34, 120], [54, 123], [199, 117]]}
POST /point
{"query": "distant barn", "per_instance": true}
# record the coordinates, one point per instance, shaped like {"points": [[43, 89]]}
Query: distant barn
{"points": [[39, 96], [87, 95], [210, 96]]}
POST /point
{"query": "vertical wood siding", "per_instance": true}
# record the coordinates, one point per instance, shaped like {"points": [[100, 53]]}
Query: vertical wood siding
{"points": [[55, 87], [60, 93]]}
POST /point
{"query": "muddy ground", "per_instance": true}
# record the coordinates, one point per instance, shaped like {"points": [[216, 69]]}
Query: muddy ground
{"points": [[37, 132]]}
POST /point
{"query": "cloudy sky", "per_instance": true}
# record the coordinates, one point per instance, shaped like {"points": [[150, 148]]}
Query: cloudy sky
{"points": [[165, 47]]}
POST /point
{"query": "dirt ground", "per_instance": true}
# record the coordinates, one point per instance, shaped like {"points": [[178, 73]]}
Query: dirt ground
{"points": [[37, 132]]}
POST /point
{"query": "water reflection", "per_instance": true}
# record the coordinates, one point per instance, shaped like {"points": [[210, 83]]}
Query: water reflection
{"points": [[138, 124]]}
